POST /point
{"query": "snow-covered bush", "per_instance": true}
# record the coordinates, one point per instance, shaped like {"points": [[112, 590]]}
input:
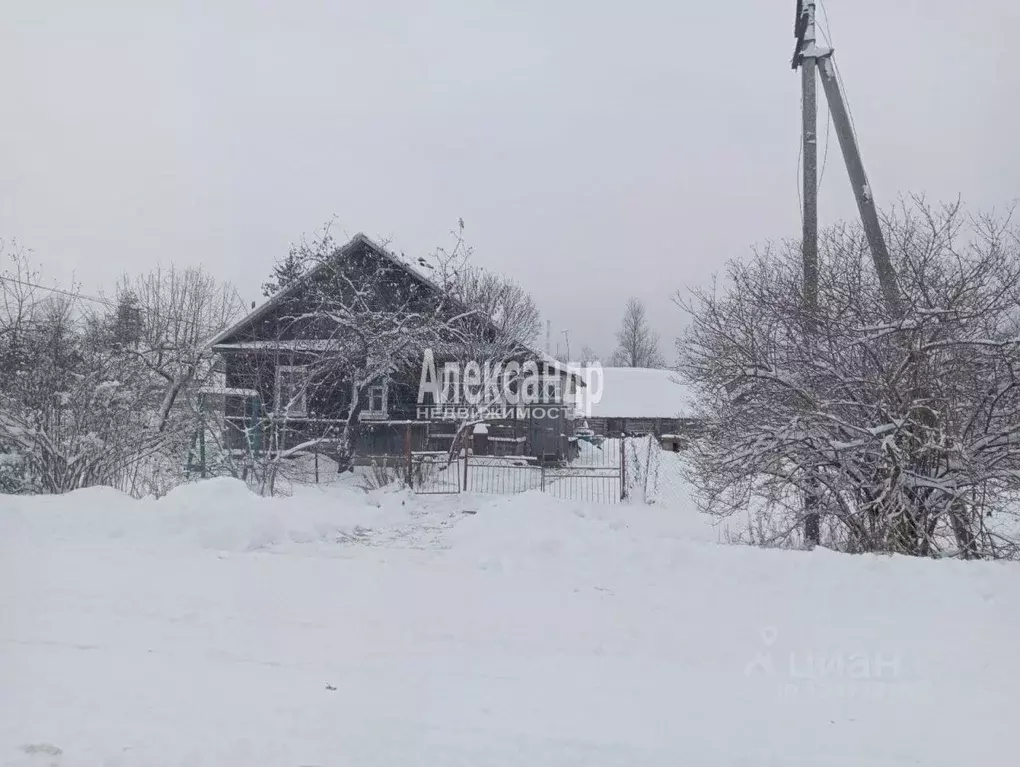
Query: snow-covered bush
{"points": [[96, 392], [905, 430], [67, 408]]}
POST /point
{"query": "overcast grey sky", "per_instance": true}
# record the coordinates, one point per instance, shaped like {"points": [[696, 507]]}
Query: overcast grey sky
{"points": [[596, 150]]}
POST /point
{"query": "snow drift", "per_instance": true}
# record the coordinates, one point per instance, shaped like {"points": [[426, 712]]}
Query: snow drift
{"points": [[220, 514], [212, 627]]}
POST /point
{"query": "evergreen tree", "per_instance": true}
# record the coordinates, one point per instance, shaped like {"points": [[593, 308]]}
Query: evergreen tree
{"points": [[127, 323], [287, 270]]}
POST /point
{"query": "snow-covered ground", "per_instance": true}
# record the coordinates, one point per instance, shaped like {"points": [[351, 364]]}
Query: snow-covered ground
{"points": [[212, 627]]}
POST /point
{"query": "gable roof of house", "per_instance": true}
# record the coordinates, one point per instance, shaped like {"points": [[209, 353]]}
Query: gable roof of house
{"points": [[641, 393], [277, 298]]}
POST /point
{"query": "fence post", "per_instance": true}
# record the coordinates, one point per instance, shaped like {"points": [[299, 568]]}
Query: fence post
{"points": [[623, 467], [408, 454], [648, 466], [467, 443], [316, 467], [201, 448]]}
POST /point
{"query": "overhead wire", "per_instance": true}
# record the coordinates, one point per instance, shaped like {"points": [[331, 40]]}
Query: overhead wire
{"points": [[800, 178], [827, 37], [95, 299], [71, 294]]}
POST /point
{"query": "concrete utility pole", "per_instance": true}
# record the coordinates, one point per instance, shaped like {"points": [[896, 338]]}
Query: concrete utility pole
{"points": [[809, 135], [862, 190], [805, 56], [809, 57]]}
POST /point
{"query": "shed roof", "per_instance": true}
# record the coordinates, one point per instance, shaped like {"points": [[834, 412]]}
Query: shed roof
{"points": [[641, 393]]}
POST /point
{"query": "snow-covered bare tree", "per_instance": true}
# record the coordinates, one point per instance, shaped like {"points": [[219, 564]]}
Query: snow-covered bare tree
{"points": [[169, 315], [498, 322], [907, 430], [637, 345], [502, 309], [358, 317], [159, 331]]}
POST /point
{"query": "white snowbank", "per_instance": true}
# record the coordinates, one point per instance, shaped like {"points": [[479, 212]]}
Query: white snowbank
{"points": [[221, 514], [531, 632], [536, 529]]}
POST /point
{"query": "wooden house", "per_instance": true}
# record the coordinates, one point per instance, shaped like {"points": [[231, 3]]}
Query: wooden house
{"points": [[277, 376]]}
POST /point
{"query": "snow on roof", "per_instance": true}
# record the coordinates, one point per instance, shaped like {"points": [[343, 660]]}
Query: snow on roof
{"points": [[641, 393], [293, 345], [228, 390], [553, 364]]}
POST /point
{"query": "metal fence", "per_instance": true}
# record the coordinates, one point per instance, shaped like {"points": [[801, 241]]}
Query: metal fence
{"points": [[595, 474], [593, 485], [503, 476]]}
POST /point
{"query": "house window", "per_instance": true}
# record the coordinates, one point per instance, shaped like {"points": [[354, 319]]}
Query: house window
{"points": [[292, 390], [375, 404]]}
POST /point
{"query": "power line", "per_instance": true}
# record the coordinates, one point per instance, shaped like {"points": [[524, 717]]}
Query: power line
{"points": [[827, 37], [825, 155], [827, 32], [800, 157], [26, 283], [104, 301]]}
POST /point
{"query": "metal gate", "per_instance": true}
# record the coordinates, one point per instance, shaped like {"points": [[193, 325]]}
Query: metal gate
{"points": [[595, 473]]}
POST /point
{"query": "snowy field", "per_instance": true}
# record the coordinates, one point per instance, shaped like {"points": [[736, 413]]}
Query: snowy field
{"points": [[212, 627]]}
